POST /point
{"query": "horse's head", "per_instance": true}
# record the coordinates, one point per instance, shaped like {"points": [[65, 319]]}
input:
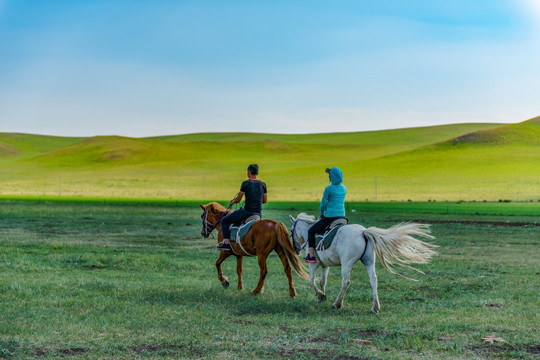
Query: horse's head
{"points": [[211, 216], [297, 234], [299, 230]]}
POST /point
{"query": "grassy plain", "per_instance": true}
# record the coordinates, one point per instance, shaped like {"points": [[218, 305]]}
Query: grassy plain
{"points": [[94, 280], [451, 162]]}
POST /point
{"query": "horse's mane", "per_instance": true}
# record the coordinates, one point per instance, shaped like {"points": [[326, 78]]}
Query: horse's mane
{"points": [[310, 219], [216, 208]]}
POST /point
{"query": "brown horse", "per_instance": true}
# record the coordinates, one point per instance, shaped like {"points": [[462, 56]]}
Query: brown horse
{"points": [[264, 237]]}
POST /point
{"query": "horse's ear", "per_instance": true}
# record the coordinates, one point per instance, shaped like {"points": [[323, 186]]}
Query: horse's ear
{"points": [[292, 219], [202, 207]]}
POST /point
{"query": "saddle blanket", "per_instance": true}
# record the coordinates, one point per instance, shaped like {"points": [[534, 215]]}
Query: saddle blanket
{"points": [[238, 232], [323, 241]]}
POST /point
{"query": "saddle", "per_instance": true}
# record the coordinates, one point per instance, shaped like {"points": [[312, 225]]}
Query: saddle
{"points": [[238, 232], [324, 240]]}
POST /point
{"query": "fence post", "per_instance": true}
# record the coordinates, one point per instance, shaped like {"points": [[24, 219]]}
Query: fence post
{"points": [[376, 188]]}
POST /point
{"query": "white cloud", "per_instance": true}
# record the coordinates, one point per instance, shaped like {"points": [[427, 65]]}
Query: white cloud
{"points": [[532, 11], [533, 5]]}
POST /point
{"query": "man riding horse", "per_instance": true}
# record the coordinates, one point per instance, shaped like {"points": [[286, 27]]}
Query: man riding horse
{"points": [[256, 195], [264, 236]]}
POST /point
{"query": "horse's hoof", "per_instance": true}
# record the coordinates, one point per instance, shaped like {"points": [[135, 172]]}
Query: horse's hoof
{"points": [[336, 306], [321, 297], [225, 284], [376, 312]]}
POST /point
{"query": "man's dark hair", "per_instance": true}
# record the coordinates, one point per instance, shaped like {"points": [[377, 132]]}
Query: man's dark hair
{"points": [[253, 169]]}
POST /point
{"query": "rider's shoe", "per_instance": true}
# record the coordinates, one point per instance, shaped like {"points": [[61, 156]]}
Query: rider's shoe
{"points": [[310, 259], [223, 247]]}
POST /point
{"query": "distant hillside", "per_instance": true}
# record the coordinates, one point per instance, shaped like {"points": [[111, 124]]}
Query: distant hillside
{"points": [[450, 162], [525, 133], [106, 151], [199, 149], [25, 145], [397, 137], [7, 149], [493, 164]]}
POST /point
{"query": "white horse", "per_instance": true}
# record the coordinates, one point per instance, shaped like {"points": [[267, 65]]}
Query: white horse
{"points": [[354, 242]]}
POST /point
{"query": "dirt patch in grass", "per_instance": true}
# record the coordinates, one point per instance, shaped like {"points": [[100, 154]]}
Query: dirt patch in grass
{"points": [[74, 351], [476, 223], [93, 267], [243, 322], [284, 328], [371, 333], [490, 349], [323, 340]]}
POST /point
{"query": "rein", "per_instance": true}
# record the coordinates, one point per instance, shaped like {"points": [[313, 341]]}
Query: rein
{"points": [[293, 239], [205, 222]]}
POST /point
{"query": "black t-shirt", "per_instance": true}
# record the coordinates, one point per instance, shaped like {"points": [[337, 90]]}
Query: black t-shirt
{"points": [[253, 190]]}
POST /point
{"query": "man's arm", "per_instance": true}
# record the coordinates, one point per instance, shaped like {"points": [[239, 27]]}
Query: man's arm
{"points": [[265, 198], [237, 198]]}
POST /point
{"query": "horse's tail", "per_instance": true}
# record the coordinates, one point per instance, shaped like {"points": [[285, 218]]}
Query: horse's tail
{"points": [[396, 245], [285, 242]]}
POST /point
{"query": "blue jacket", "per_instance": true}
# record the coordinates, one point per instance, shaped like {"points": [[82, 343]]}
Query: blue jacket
{"points": [[333, 200]]}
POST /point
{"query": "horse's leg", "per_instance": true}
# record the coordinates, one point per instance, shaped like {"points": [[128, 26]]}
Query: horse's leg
{"points": [[287, 269], [239, 262], [312, 273], [221, 258], [324, 277], [345, 282], [373, 281], [261, 258]]}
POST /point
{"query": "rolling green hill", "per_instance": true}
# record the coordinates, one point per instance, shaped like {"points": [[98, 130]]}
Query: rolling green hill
{"points": [[26, 145], [450, 162], [499, 163]]}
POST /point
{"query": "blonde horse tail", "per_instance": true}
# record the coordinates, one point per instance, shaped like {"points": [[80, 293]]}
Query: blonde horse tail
{"points": [[285, 242], [397, 246]]}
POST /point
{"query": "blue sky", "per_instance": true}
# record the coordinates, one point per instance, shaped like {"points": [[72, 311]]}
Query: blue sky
{"points": [[143, 68]]}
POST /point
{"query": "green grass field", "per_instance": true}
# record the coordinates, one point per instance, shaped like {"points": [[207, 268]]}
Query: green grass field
{"points": [[442, 163], [131, 280]]}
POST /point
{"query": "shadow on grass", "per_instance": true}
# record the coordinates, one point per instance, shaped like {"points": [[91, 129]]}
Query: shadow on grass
{"points": [[233, 301], [242, 303]]}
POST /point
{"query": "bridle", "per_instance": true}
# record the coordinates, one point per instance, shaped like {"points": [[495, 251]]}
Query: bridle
{"points": [[293, 239], [209, 227]]}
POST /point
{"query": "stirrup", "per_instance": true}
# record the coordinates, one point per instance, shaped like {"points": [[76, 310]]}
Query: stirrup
{"points": [[223, 247]]}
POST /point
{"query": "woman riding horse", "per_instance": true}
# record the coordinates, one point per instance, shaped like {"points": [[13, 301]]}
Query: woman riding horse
{"points": [[332, 208]]}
